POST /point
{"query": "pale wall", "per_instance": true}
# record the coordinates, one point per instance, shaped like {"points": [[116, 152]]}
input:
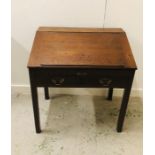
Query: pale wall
{"points": [[28, 15]]}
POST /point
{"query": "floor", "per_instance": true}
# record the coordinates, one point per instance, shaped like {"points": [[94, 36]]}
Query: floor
{"points": [[76, 125]]}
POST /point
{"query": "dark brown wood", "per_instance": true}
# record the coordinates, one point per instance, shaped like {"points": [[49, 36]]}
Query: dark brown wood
{"points": [[124, 104], [123, 109], [35, 105], [46, 93], [72, 77], [110, 94], [82, 58]]}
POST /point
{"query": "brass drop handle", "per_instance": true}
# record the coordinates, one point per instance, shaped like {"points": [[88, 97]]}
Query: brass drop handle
{"points": [[105, 81], [58, 81]]}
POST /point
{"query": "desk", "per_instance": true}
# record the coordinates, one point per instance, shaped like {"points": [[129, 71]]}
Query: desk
{"points": [[81, 58]]}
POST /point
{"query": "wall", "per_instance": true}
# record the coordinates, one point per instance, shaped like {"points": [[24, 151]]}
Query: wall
{"points": [[28, 15]]}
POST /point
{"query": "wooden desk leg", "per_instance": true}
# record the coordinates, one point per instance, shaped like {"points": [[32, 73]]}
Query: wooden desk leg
{"points": [[35, 108], [110, 94], [46, 93], [123, 109]]}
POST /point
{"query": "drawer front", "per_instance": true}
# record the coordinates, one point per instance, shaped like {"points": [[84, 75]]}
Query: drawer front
{"points": [[80, 78], [46, 79], [104, 81]]}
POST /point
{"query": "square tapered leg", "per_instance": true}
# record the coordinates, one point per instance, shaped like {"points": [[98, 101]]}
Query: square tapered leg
{"points": [[35, 108], [46, 93]]}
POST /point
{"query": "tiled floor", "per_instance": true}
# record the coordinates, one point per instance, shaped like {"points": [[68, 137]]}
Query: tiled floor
{"points": [[75, 125]]}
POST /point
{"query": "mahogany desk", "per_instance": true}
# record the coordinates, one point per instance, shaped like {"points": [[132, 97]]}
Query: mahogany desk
{"points": [[84, 58]]}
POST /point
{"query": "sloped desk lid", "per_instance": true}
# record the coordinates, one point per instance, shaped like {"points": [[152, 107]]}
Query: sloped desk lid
{"points": [[91, 47]]}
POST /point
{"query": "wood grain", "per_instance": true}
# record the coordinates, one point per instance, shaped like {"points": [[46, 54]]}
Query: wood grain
{"points": [[81, 47]]}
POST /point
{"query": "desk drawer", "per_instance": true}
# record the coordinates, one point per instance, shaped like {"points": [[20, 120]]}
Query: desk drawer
{"points": [[80, 77]]}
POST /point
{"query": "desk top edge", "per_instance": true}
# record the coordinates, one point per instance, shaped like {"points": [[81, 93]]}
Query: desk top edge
{"points": [[79, 29], [82, 67]]}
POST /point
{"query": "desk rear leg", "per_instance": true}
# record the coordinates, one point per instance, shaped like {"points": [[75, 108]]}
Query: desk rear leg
{"points": [[110, 94], [46, 93]]}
